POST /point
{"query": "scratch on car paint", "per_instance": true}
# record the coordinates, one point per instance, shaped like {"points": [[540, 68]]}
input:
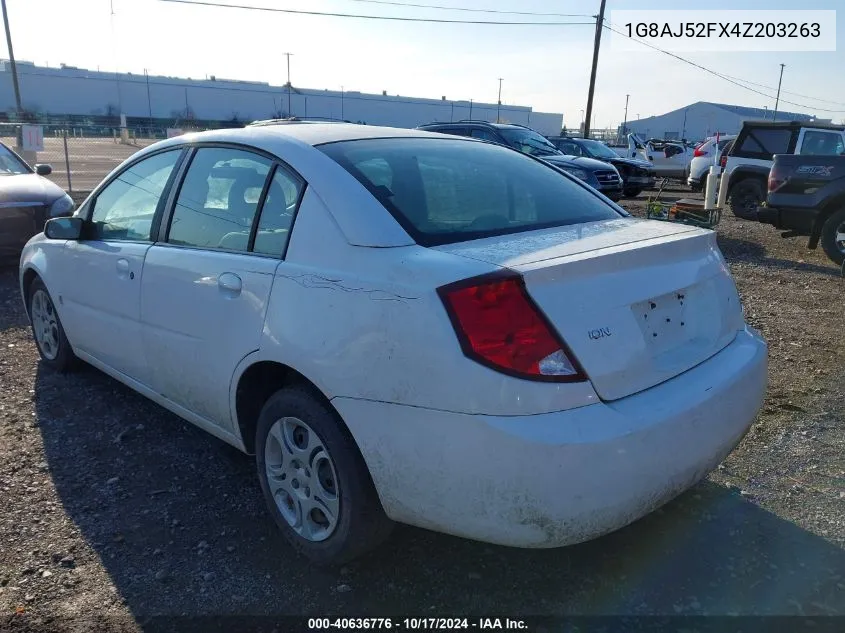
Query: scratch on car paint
{"points": [[317, 281]]}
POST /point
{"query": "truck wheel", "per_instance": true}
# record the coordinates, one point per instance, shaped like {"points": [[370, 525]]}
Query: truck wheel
{"points": [[632, 193], [833, 237], [745, 197]]}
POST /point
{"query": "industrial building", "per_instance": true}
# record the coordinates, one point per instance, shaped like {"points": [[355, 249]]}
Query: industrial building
{"points": [[703, 118], [70, 91]]}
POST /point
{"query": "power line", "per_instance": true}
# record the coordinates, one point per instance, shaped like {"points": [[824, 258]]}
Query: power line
{"points": [[497, 11], [787, 92], [715, 73], [368, 17]]}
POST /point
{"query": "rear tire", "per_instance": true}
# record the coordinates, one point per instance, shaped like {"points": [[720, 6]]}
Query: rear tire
{"points": [[50, 339], [314, 480], [745, 197], [833, 237], [632, 193]]}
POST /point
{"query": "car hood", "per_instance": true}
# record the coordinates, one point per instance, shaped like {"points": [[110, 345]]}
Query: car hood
{"points": [[631, 162], [576, 161], [28, 188]]}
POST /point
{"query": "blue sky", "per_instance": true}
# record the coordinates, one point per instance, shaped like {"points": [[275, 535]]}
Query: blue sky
{"points": [[545, 67]]}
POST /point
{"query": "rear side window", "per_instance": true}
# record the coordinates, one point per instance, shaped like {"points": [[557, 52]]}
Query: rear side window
{"points": [[443, 191], [764, 142], [218, 199]]}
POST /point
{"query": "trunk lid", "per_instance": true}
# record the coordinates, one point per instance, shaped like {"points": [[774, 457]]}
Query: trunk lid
{"points": [[638, 302]]}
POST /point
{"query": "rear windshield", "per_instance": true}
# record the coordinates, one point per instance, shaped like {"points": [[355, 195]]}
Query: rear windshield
{"points": [[764, 142], [443, 191]]}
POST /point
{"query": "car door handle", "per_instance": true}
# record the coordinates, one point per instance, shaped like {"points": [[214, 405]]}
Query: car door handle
{"points": [[123, 269], [230, 283]]}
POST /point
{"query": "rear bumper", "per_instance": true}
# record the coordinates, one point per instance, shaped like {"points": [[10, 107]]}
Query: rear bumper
{"points": [[559, 478]]}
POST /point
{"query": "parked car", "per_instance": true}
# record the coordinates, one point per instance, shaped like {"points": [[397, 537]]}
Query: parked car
{"points": [[405, 326], [751, 156], [806, 196], [704, 156], [27, 200], [636, 174], [669, 159], [597, 174]]}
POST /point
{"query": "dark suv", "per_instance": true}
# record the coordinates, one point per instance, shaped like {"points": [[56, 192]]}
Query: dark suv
{"points": [[636, 174], [599, 175]]}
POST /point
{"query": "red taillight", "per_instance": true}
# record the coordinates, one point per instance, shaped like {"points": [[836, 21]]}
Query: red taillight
{"points": [[776, 179], [698, 152], [723, 161], [499, 325]]}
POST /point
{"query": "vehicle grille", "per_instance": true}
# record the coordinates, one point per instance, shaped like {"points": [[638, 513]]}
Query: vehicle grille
{"points": [[607, 177]]}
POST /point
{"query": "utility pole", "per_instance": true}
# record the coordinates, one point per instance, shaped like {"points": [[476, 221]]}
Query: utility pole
{"points": [[777, 98], [596, 44], [499, 105], [684, 130], [149, 100], [470, 109], [625, 121], [18, 107], [341, 103], [288, 56]]}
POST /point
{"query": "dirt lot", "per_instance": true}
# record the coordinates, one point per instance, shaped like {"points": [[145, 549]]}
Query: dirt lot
{"points": [[115, 511]]}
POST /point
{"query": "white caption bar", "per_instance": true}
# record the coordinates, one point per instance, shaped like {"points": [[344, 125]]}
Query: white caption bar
{"points": [[724, 30]]}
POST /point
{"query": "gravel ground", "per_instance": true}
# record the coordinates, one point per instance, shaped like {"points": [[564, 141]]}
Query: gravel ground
{"points": [[115, 511]]}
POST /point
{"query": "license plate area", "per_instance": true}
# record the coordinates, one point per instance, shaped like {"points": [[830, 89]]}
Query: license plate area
{"points": [[664, 321]]}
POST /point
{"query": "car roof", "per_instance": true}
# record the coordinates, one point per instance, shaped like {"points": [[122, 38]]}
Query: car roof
{"points": [[794, 124], [319, 133]]}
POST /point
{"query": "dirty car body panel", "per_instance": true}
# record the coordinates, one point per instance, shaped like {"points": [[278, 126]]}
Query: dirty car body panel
{"points": [[375, 282]]}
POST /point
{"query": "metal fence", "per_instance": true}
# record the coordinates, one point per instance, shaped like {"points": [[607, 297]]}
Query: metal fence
{"points": [[81, 156]]}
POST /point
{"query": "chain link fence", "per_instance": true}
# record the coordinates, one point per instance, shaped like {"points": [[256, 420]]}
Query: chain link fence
{"points": [[81, 156]]}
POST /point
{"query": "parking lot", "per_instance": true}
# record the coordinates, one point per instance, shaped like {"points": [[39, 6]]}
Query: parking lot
{"points": [[116, 511], [90, 158]]}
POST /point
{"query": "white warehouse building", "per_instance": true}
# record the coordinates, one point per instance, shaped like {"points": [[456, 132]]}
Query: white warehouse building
{"points": [[68, 90], [703, 118]]}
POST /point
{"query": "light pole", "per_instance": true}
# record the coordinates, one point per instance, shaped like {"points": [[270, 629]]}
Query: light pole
{"points": [[470, 109], [684, 130], [777, 98], [625, 122], [341, 103], [149, 101], [499, 104], [581, 127], [288, 56]]}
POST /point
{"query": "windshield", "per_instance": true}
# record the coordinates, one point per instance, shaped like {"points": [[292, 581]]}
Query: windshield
{"points": [[443, 190], [598, 150], [528, 142], [11, 164]]}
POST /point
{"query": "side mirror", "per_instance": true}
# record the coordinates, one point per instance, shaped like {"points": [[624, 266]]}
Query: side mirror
{"points": [[63, 228], [43, 170]]}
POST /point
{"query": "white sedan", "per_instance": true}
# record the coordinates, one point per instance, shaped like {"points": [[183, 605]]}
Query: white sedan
{"points": [[405, 326]]}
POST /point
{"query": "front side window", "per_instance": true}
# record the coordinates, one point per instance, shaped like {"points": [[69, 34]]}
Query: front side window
{"points": [[444, 190], [125, 208], [218, 199], [597, 149], [11, 165]]}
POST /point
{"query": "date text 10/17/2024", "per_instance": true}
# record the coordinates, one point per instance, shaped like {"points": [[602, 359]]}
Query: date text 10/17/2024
{"points": [[416, 624]]}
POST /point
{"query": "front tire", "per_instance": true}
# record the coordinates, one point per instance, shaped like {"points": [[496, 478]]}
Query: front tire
{"points": [[632, 193], [314, 479], [833, 237], [50, 339], [745, 197]]}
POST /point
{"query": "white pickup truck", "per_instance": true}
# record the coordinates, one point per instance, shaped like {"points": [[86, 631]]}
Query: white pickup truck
{"points": [[669, 159], [747, 164]]}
